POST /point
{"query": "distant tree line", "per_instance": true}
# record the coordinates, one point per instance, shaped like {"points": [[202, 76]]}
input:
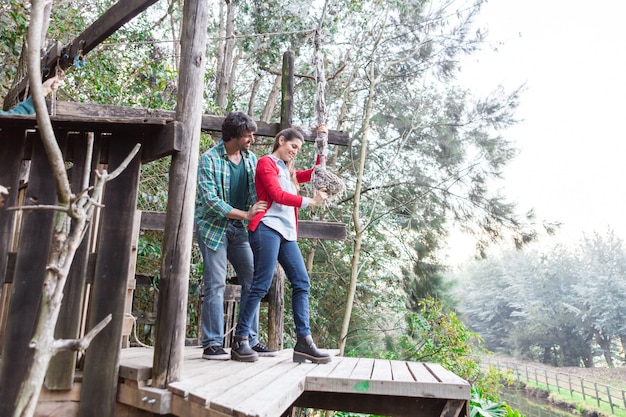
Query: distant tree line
{"points": [[561, 305]]}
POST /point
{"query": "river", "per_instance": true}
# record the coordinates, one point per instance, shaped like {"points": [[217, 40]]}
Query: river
{"points": [[532, 406]]}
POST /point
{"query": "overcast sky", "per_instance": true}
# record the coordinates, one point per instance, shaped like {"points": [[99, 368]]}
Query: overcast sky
{"points": [[572, 56]]}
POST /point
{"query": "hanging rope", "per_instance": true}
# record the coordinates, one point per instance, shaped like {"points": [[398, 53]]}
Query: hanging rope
{"points": [[322, 179]]}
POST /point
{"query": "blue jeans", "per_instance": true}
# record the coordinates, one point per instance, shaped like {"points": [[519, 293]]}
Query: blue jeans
{"points": [[236, 249], [269, 246]]}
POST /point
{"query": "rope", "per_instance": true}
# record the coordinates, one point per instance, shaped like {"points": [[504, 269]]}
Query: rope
{"points": [[323, 179], [135, 332]]}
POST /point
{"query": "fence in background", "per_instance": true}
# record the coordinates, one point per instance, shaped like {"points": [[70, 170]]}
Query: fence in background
{"points": [[615, 398]]}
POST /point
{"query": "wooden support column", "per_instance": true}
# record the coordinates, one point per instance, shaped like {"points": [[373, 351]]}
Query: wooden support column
{"points": [[30, 267], [275, 314], [11, 154], [276, 310], [100, 375], [286, 105], [179, 222], [60, 374]]}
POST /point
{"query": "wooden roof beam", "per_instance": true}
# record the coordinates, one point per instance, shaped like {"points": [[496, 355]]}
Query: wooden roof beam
{"points": [[209, 122]]}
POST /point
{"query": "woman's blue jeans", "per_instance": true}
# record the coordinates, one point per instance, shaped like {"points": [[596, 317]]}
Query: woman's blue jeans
{"points": [[269, 246]]}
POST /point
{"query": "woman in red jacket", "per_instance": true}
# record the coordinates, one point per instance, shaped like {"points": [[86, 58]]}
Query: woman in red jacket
{"points": [[273, 237]]}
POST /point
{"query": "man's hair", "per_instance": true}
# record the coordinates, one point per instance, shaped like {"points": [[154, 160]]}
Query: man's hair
{"points": [[237, 124]]}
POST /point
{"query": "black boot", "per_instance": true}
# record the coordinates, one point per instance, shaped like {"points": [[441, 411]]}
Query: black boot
{"points": [[241, 350], [306, 349]]}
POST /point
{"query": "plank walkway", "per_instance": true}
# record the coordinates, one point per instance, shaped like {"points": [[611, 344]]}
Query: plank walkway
{"points": [[271, 386]]}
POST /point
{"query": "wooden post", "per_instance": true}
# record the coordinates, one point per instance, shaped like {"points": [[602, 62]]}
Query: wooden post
{"points": [[275, 314], [276, 308], [536, 377], [286, 107], [582, 388], [569, 380], [60, 374], [100, 375], [13, 143], [35, 236], [177, 240]]}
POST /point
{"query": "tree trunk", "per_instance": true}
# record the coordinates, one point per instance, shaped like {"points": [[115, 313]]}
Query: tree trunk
{"points": [[224, 70], [359, 228], [605, 345], [310, 256], [272, 100], [253, 93]]}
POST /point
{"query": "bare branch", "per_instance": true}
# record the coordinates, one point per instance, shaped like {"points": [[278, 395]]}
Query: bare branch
{"points": [[40, 207], [123, 165], [81, 344]]}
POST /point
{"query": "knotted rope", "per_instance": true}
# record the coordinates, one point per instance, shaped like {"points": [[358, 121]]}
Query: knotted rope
{"points": [[322, 178]]}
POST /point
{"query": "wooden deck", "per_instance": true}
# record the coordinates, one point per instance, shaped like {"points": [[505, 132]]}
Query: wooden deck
{"points": [[271, 386]]}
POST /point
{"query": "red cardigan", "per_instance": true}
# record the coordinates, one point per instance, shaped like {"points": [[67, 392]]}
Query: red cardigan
{"points": [[268, 188]]}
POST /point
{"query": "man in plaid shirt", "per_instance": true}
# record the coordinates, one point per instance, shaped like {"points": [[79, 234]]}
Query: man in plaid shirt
{"points": [[225, 202]]}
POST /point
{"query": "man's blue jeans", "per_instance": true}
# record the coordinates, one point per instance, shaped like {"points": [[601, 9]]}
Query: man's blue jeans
{"points": [[236, 249], [269, 246]]}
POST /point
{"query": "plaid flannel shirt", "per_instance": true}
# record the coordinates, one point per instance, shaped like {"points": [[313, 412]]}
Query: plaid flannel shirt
{"points": [[213, 195]]}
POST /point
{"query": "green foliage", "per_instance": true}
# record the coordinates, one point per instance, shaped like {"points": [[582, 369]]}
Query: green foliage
{"points": [[13, 27], [482, 406]]}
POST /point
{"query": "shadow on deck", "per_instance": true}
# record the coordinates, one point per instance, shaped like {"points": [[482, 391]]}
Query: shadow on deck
{"points": [[270, 387]]}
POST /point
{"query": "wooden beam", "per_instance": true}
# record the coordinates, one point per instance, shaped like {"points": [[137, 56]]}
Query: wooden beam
{"points": [[166, 142], [117, 16], [135, 372], [310, 229], [453, 408], [307, 229], [210, 123], [155, 400], [385, 405]]}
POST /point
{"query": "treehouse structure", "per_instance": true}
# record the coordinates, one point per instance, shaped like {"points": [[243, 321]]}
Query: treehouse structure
{"points": [[111, 379]]}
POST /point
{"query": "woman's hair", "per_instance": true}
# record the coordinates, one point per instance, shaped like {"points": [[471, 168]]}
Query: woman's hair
{"points": [[288, 135]]}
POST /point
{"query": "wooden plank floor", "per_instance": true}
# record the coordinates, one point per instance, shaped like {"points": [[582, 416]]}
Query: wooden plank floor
{"points": [[270, 386]]}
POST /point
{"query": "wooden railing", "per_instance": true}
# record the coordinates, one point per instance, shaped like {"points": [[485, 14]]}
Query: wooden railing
{"points": [[614, 397]]}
